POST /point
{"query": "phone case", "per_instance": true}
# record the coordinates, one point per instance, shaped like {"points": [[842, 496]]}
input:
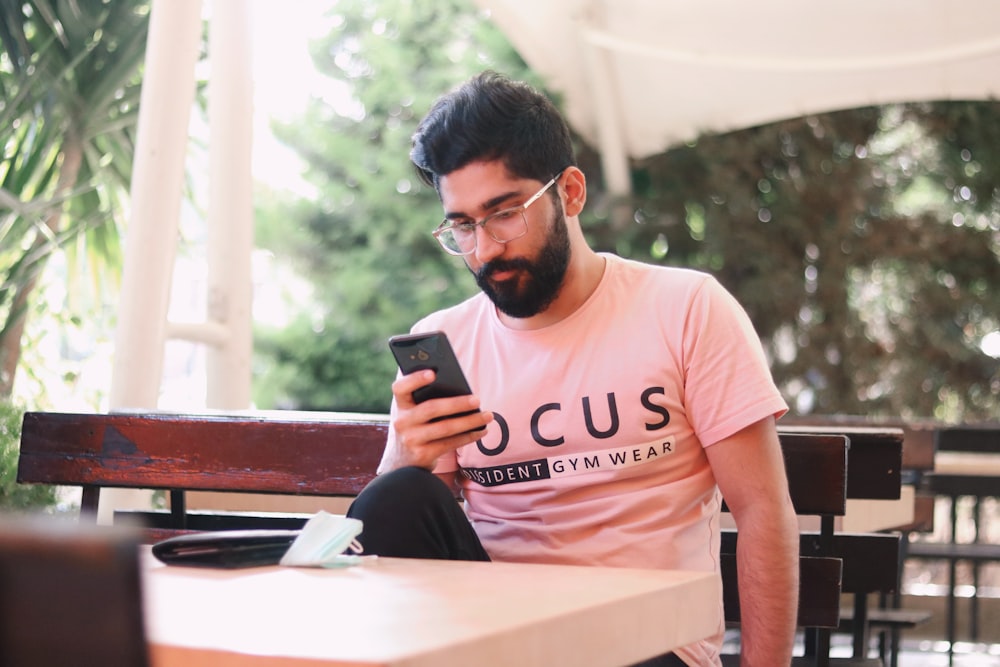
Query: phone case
{"points": [[432, 350]]}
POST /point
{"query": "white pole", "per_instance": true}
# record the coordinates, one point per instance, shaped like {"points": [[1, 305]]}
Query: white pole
{"points": [[156, 190], [230, 209]]}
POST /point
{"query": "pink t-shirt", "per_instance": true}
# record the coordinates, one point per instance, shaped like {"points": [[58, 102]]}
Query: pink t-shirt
{"points": [[596, 456]]}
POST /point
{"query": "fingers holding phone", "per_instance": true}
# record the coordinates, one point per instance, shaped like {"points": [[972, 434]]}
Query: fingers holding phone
{"points": [[436, 410], [450, 415]]}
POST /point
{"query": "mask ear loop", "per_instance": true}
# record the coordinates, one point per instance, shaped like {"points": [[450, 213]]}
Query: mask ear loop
{"points": [[356, 547]]}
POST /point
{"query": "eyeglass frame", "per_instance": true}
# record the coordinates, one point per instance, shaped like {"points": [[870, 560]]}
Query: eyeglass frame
{"points": [[449, 225]]}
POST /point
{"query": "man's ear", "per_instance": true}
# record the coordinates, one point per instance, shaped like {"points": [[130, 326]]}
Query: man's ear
{"points": [[574, 186]]}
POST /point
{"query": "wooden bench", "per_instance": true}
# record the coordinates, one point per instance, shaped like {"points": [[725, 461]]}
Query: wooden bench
{"points": [[980, 481], [333, 454]]}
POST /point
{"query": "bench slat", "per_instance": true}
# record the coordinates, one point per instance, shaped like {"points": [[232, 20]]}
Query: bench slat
{"points": [[875, 466], [871, 560], [972, 551], [981, 438], [819, 591], [949, 484], [816, 467], [156, 451]]}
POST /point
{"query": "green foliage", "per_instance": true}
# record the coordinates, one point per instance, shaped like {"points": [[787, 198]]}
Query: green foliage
{"points": [[366, 244], [863, 243], [14, 496], [70, 83]]}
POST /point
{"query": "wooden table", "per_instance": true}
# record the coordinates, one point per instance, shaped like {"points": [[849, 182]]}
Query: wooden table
{"points": [[969, 464], [391, 611]]}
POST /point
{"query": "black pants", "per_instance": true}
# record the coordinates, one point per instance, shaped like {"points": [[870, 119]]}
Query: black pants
{"points": [[410, 513]]}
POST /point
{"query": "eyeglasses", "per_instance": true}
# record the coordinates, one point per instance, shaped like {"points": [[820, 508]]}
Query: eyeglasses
{"points": [[459, 238]]}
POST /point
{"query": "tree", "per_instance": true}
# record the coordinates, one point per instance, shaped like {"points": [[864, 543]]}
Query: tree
{"points": [[14, 496], [70, 81], [366, 244], [863, 243]]}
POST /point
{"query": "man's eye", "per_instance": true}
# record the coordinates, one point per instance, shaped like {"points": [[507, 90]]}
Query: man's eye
{"points": [[464, 228], [504, 216]]}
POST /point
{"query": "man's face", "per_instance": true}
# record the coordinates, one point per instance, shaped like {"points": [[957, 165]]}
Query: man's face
{"points": [[524, 276]]}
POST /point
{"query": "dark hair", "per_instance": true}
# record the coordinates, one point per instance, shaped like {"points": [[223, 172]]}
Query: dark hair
{"points": [[490, 117]]}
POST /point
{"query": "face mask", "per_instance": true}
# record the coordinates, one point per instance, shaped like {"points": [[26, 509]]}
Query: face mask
{"points": [[326, 541]]}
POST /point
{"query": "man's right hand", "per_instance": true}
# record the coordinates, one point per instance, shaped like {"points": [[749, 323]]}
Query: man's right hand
{"points": [[420, 441]]}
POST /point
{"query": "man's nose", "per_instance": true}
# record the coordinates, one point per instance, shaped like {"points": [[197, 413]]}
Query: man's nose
{"points": [[487, 247]]}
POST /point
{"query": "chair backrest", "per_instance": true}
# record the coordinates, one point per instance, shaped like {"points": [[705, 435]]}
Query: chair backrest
{"points": [[816, 466], [69, 595]]}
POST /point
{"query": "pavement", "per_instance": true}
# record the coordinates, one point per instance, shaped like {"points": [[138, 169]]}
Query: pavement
{"points": [[913, 652], [923, 653]]}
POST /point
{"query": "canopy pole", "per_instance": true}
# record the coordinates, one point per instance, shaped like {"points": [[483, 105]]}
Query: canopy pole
{"points": [[156, 190], [168, 87], [230, 209]]}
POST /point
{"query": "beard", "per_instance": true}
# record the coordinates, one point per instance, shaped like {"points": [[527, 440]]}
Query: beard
{"points": [[538, 282]]}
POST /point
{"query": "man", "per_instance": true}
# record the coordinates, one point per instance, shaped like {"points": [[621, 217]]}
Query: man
{"points": [[617, 399]]}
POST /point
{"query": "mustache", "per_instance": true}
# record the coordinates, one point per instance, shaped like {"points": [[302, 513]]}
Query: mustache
{"points": [[497, 265]]}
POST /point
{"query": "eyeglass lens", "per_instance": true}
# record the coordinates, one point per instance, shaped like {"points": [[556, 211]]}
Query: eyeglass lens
{"points": [[502, 226]]}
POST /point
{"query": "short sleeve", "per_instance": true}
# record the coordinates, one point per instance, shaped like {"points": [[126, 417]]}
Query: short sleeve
{"points": [[728, 384]]}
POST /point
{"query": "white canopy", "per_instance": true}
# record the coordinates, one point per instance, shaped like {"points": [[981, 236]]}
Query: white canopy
{"points": [[638, 76]]}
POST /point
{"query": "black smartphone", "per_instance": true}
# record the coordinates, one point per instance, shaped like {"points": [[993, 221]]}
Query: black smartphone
{"points": [[417, 352]]}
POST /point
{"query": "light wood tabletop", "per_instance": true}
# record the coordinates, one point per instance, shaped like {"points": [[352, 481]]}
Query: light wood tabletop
{"points": [[418, 613]]}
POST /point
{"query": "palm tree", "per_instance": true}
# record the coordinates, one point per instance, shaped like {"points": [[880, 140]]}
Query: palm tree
{"points": [[70, 76]]}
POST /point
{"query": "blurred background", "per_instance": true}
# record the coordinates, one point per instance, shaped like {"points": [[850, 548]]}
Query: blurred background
{"points": [[864, 242]]}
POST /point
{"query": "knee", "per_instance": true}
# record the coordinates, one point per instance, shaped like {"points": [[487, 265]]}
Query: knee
{"points": [[409, 487]]}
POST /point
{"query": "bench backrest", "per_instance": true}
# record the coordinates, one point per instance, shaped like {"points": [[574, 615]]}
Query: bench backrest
{"points": [[875, 467], [288, 453], [817, 471], [870, 560], [284, 452], [973, 438], [918, 434]]}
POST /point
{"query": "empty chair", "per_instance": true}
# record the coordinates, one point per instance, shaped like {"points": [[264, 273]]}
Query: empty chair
{"points": [[69, 595]]}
